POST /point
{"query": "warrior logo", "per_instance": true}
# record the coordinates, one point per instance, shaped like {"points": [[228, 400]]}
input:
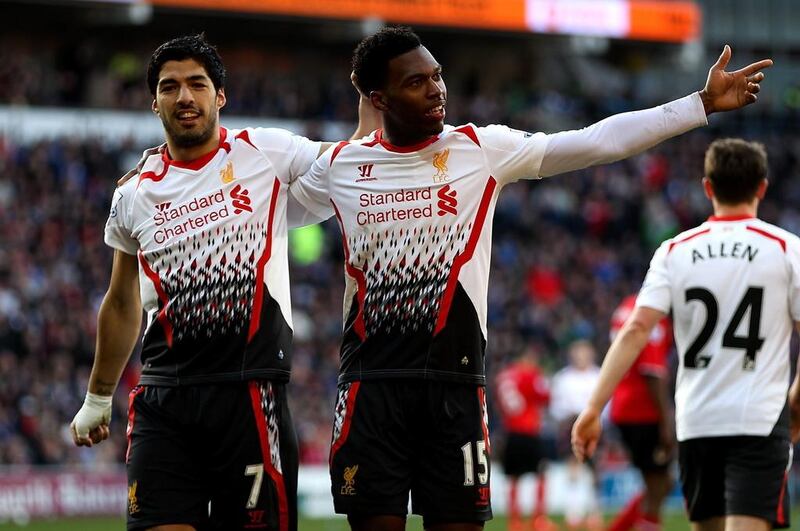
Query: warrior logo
{"points": [[365, 170]]}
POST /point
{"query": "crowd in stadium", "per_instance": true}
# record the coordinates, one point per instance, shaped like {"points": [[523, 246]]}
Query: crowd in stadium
{"points": [[565, 252], [54, 268]]}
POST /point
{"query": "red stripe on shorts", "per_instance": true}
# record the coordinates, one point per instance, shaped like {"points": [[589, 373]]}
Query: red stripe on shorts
{"points": [[131, 414], [781, 517], [277, 477], [482, 405], [348, 417]]}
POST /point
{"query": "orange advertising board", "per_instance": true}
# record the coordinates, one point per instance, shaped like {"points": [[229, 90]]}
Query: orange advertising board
{"points": [[490, 14], [661, 20], [669, 21]]}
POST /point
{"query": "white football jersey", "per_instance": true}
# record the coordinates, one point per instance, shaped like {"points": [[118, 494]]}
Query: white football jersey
{"points": [[571, 390], [417, 229], [733, 285], [211, 241]]}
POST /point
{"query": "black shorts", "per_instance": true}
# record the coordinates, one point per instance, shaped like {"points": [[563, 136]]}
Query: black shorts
{"points": [[736, 476], [213, 456], [522, 454], [643, 444], [427, 437]]}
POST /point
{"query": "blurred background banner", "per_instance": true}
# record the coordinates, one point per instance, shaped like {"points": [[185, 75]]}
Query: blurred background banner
{"points": [[650, 20], [75, 115]]}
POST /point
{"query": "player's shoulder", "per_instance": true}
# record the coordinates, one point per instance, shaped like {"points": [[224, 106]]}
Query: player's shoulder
{"points": [[154, 168], [122, 199], [475, 133], [498, 135], [262, 138], [129, 187], [783, 237], [675, 242], [353, 151]]}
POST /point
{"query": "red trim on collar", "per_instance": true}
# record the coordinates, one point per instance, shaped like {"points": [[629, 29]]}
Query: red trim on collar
{"points": [[766, 234], [198, 163], [738, 217], [686, 239], [404, 149]]}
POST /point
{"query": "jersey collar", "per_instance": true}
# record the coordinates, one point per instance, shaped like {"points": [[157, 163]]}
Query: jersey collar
{"points": [[404, 149], [198, 163], [740, 217]]}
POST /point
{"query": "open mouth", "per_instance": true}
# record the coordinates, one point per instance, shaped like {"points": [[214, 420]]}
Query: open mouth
{"points": [[436, 113], [188, 117]]}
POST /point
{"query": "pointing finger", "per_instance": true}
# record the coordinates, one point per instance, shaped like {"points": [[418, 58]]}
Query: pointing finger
{"points": [[755, 67]]}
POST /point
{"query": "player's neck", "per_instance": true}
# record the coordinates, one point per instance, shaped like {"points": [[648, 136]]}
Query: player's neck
{"points": [[186, 154], [396, 136], [740, 210]]}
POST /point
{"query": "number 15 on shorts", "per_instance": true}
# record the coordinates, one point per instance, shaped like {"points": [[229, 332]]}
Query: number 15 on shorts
{"points": [[470, 469]]}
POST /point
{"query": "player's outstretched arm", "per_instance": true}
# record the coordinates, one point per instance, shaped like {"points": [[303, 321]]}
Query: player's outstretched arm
{"points": [[118, 324], [621, 355], [627, 134]]}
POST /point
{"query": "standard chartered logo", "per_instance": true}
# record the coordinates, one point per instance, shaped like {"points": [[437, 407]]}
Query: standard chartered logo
{"points": [[394, 206], [198, 212]]}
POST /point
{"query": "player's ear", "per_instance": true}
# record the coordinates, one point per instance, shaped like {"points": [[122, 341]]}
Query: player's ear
{"points": [[707, 188], [378, 99], [154, 106], [221, 99], [762, 189]]}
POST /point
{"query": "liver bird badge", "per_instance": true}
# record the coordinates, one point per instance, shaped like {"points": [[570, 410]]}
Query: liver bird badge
{"points": [[440, 163]]}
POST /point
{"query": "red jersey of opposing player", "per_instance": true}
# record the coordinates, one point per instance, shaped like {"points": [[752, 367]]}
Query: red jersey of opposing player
{"points": [[631, 402], [521, 392]]}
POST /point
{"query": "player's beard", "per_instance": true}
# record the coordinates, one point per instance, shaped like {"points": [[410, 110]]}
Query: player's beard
{"points": [[184, 138]]}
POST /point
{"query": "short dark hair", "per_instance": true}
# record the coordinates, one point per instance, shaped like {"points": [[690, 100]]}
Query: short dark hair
{"points": [[187, 47], [372, 55], [735, 168]]}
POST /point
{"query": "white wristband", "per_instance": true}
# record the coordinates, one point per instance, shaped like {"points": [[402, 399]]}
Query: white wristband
{"points": [[98, 401], [95, 411]]}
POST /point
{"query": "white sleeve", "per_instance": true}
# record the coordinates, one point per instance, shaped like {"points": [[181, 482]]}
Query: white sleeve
{"points": [[793, 255], [297, 215], [291, 154], [510, 153], [621, 136], [309, 196], [656, 292], [119, 226]]}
